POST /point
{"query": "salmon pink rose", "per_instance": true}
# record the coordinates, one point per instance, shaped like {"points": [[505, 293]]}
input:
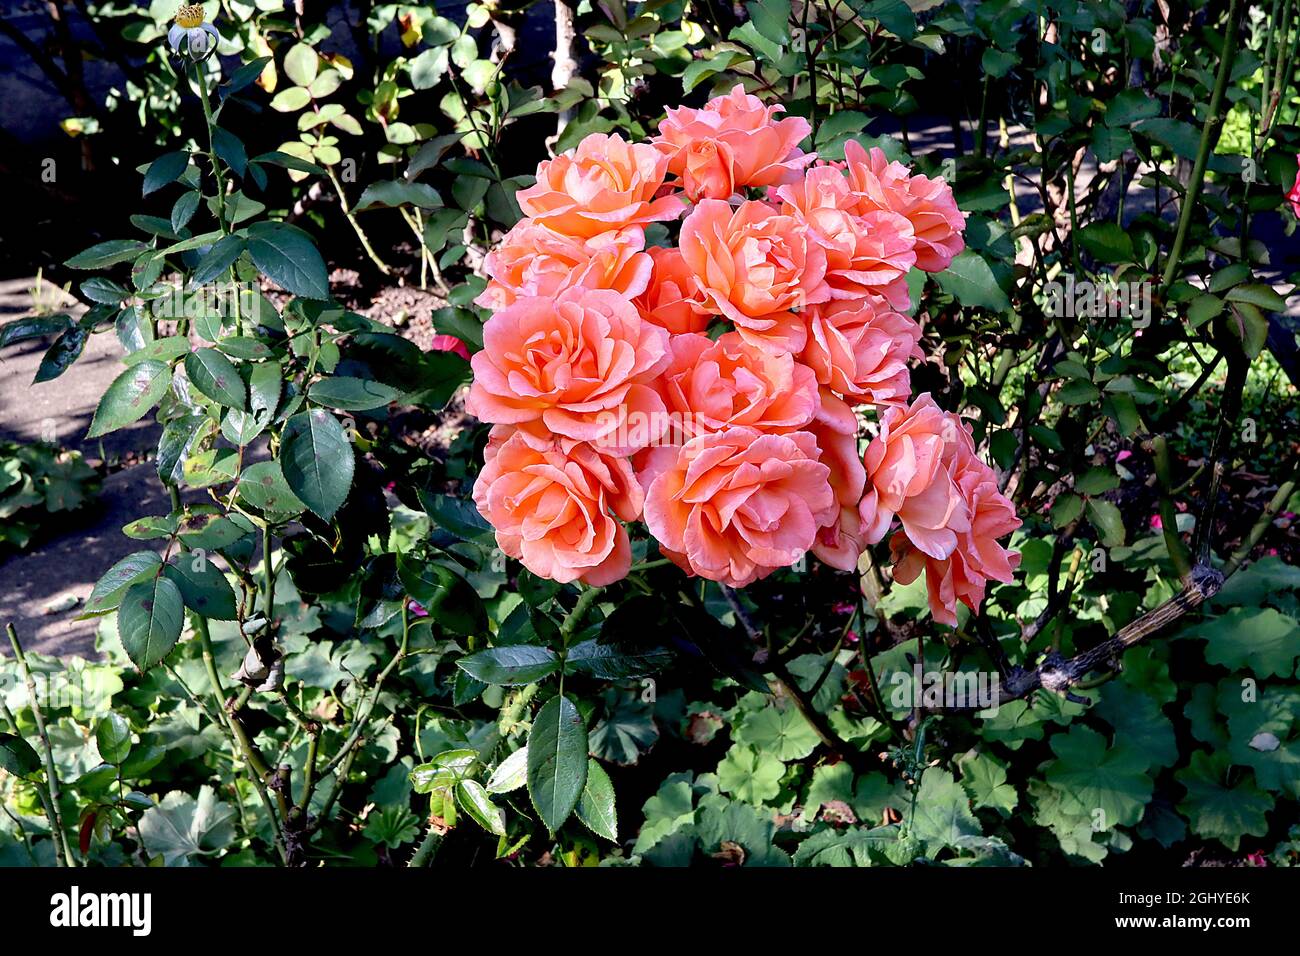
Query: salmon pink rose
{"points": [[533, 260], [909, 476], [840, 542], [927, 203], [977, 559], [868, 251], [860, 348], [603, 183], [555, 504], [580, 363], [754, 267], [668, 297], [709, 386], [733, 142], [733, 506]]}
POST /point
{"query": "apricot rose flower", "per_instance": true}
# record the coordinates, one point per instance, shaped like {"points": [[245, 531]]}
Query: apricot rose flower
{"points": [[603, 183], [754, 267], [733, 142], [927, 203], [533, 260], [709, 386], [860, 348], [555, 504], [733, 506], [581, 363]]}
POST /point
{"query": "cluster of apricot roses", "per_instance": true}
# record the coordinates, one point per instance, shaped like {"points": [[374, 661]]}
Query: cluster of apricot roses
{"points": [[708, 387]]}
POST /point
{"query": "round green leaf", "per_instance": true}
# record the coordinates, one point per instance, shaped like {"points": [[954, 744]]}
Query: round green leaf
{"points": [[301, 64], [113, 737]]}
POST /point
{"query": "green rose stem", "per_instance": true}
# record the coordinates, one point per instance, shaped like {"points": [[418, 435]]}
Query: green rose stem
{"points": [[351, 217], [60, 847], [49, 794], [1280, 498], [825, 733], [368, 704], [1178, 552], [427, 850], [259, 772], [200, 84], [1209, 134]]}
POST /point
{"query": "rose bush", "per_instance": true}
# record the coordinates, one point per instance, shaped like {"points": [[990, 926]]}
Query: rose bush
{"points": [[785, 282]]}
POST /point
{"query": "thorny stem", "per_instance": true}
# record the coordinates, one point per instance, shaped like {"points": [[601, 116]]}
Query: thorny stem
{"points": [[60, 846], [51, 773], [1209, 134], [790, 687], [368, 704], [574, 618], [428, 848], [348, 214]]}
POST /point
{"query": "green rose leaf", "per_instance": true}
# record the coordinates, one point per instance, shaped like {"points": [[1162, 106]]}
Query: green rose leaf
{"points": [[216, 377], [511, 666], [557, 761], [108, 590], [204, 590], [130, 395], [289, 257], [317, 460], [149, 621], [17, 756], [596, 805], [167, 168], [478, 805]]}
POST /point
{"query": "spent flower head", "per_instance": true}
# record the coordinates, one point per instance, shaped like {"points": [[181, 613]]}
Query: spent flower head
{"points": [[190, 35]]}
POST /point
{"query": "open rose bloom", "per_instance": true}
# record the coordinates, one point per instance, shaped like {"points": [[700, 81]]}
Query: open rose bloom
{"points": [[742, 393]]}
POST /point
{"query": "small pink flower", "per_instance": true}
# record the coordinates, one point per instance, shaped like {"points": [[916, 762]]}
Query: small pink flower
{"points": [[1156, 523], [449, 343], [417, 608], [1124, 455], [1293, 196]]}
